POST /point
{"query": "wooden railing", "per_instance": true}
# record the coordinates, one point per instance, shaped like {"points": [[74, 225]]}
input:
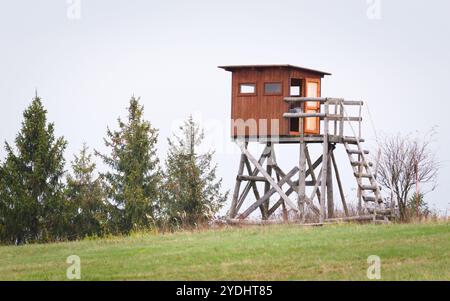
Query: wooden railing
{"points": [[333, 111]]}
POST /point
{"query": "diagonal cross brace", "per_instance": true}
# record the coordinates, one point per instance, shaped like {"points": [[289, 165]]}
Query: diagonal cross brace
{"points": [[293, 188], [249, 184], [267, 195], [266, 175]]}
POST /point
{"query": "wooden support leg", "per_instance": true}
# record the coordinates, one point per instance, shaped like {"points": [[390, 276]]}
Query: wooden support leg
{"points": [[359, 189], [330, 201], [302, 182], [285, 212], [247, 187], [253, 183], [276, 188], [311, 169], [265, 206], [338, 180], [323, 183], [268, 177], [233, 209], [324, 166], [294, 187]]}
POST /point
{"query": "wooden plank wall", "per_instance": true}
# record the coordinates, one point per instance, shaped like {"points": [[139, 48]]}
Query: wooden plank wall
{"points": [[262, 106]]}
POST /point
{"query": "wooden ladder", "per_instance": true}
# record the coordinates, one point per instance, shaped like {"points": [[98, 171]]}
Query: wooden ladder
{"points": [[362, 171]]}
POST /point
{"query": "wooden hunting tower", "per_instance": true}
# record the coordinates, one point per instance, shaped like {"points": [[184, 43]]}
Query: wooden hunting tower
{"points": [[257, 96], [278, 104]]}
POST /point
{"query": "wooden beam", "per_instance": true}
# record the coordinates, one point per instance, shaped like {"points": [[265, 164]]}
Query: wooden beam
{"points": [[294, 187], [251, 178], [289, 192], [301, 190], [269, 162], [324, 166], [267, 176], [330, 201], [247, 187], [315, 99], [267, 195], [351, 218], [232, 212], [254, 186], [311, 170], [267, 222], [314, 191], [303, 115], [338, 180]]}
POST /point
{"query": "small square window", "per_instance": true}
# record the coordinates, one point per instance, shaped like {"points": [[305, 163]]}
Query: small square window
{"points": [[296, 87], [247, 89], [272, 88]]}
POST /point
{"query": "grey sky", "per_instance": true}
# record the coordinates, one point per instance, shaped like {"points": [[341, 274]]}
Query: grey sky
{"points": [[167, 51]]}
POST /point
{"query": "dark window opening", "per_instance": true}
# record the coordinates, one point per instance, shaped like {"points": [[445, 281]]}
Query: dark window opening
{"points": [[294, 124], [272, 88], [296, 87]]}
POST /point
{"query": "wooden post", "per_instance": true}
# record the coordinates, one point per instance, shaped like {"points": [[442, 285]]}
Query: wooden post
{"points": [[253, 182], [283, 204], [247, 187], [301, 193], [302, 182], [338, 180], [267, 176], [311, 170], [232, 212], [324, 165], [274, 189], [330, 201], [360, 169], [294, 187], [265, 206], [336, 106]]}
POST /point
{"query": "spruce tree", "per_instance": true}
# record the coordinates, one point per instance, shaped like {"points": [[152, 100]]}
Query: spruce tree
{"points": [[192, 193], [31, 191], [86, 197], [134, 177]]}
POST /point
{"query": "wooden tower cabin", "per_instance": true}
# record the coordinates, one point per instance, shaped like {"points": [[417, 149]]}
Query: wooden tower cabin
{"points": [[280, 104]]}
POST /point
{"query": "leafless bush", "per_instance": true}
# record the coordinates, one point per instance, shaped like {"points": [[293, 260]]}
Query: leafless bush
{"points": [[404, 163]]}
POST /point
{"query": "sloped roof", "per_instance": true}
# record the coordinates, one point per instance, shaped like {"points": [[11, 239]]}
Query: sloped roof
{"points": [[237, 67]]}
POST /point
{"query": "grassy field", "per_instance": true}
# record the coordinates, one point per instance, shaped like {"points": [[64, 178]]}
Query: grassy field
{"points": [[334, 252]]}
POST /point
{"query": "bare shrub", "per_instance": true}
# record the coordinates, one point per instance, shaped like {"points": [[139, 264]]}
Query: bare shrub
{"points": [[404, 163]]}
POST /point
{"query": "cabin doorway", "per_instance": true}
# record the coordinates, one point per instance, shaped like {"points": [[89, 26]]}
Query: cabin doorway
{"points": [[295, 90], [312, 124]]}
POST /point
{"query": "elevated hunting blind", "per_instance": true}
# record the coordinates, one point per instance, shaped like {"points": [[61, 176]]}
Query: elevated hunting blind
{"points": [[279, 104]]}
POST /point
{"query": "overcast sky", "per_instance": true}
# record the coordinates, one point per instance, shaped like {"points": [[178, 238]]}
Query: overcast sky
{"points": [[87, 60]]}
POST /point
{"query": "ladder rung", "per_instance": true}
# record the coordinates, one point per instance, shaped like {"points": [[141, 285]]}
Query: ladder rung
{"points": [[371, 199], [357, 152], [368, 198], [368, 187], [352, 139], [362, 175], [361, 163], [380, 211]]}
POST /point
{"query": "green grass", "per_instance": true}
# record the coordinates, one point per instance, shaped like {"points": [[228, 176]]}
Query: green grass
{"points": [[334, 252]]}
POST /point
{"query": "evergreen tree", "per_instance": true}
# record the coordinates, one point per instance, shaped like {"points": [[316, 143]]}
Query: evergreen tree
{"points": [[87, 198], [31, 191], [134, 176], [191, 191]]}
